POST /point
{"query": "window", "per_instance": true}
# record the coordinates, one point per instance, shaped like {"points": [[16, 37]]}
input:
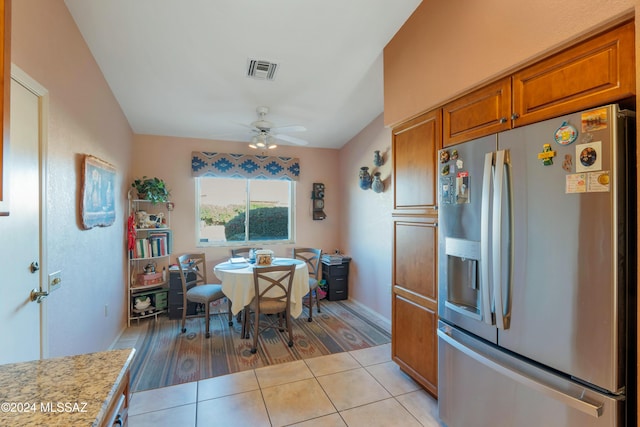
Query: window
{"points": [[244, 211]]}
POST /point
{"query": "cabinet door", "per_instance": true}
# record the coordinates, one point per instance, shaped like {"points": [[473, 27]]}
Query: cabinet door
{"points": [[595, 72], [415, 344], [415, 147], [482, 112], [414, 257], [414, 303]]}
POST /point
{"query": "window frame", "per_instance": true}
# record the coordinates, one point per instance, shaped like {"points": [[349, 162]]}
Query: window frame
{"points": [[219, 243]]}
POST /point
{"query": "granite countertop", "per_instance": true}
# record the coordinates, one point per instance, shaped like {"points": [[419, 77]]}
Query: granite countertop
{"points": [[69, 391]]}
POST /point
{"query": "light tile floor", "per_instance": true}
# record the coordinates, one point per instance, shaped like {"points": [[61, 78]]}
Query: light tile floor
{"points": [[357, 388]]}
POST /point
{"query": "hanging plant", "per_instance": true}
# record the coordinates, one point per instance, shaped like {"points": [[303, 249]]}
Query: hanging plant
{"points": [[152, 189]]}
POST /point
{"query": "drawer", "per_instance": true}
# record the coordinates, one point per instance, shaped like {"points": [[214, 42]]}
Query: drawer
{"points": [[175, 310], [337, 282], [175, 297], [337, 294], [175, 282], [335, 270], [161, 300]]}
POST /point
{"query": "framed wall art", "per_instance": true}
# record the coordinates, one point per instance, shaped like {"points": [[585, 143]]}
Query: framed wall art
{"points": [[98, 201]]}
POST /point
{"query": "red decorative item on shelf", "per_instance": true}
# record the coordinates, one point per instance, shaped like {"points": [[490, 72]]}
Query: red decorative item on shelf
{"points": [[131, 232]]}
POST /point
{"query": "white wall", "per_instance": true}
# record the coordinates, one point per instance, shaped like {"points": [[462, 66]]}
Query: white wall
{"points": [[366, 232], [84, 119]]}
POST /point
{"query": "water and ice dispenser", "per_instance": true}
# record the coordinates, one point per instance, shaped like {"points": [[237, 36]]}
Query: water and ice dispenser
{"points": [[463, 277]]}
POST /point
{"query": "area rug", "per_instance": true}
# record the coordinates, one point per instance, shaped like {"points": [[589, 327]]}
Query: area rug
{"points": [[165, 356]]}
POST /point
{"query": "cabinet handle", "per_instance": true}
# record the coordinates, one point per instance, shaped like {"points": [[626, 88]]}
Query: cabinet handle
{"points": [[503, 120], [515, 116]]}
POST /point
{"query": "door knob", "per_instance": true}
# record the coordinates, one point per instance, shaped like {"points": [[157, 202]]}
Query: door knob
{"points": [[38, 296], [34, 266]]}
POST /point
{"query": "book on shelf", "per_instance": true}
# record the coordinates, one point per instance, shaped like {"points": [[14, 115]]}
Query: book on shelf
{"points": [[156, 244]]}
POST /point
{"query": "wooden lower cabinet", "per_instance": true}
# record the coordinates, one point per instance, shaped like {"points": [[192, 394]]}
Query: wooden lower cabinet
{"points": [[415, 343], [415, 300], [118, 410]]}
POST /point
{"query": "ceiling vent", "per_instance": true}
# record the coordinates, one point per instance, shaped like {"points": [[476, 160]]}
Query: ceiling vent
{"points": [[262, 70]]}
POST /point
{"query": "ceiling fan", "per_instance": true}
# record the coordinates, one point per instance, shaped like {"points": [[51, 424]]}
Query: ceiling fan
{"points": [[266, 133]]}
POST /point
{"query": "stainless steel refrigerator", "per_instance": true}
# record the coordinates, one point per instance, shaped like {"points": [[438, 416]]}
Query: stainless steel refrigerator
{"points": [[536, 254]]}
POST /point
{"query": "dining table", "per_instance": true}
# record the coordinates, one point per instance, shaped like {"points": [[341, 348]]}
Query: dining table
{"points": [[237, 283]]}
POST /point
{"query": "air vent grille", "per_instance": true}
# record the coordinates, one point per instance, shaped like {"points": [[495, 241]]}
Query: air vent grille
{"points": [[260, 69]]}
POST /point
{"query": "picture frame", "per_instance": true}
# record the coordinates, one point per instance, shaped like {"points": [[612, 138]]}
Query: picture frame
{"points": [[98, 200]]}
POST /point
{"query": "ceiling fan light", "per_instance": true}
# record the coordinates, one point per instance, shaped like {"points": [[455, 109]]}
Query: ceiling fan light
{"points": [[272, 146], [254, 146], [261, 144]]}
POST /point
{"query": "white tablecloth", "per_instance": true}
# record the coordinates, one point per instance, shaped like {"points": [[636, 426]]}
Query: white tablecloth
{"points": [[237, 283]]}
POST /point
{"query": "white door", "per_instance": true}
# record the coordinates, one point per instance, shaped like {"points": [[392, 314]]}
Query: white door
{"points": [[20, 318]]}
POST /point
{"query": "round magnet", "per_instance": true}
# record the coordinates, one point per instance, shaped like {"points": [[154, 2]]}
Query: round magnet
{"points": [[445, 170], [454, 155], [588, 156], [566, 134]]}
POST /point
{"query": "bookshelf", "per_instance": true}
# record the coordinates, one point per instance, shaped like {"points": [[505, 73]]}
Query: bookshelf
{"points": [[149, 246]]}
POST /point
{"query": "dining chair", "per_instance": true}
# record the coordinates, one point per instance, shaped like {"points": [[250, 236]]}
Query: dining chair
{"points": [[272, 287], [311, 257], [196, 288], [244, 251]]}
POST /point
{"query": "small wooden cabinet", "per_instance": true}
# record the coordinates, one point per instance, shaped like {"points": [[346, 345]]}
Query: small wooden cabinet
{"points": [[594, 72], [337, 278], [415, 147], [482, 112]]}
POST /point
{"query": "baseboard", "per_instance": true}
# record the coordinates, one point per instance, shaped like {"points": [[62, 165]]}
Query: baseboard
{"points": [[115, 341], [379, 318]]}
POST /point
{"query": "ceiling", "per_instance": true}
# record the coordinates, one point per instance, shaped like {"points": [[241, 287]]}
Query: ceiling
{"points": [[179, 68]]}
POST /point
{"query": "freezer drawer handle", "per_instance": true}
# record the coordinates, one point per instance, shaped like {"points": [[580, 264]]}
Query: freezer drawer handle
{"points": [[586, 407]]}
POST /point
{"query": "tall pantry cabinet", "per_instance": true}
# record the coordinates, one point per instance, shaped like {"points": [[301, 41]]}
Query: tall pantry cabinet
{"points": [[414, 290]]}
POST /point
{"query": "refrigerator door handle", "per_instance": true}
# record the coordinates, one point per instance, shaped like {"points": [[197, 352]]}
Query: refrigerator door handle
{"points": [[485, 286], [594, 410], [496, 244]]}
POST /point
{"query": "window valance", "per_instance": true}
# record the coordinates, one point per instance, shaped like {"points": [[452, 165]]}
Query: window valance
{"points": [[244, 166]]}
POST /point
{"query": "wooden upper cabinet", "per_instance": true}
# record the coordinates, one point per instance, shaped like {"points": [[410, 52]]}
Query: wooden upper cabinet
{"points": [[595, 72], [415, 147], [482, 112]]}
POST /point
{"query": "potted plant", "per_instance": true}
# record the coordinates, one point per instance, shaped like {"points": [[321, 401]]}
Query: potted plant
{"points": [[152, 189]]}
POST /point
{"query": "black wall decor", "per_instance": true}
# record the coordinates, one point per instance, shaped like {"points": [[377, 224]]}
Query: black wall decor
{"points": [[317, 197]]}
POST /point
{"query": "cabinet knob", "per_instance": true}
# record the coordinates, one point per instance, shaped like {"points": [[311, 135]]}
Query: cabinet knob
{"points": [[515, 116], [503, 120]]}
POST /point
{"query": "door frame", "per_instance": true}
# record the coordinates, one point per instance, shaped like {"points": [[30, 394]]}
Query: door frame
{"points": [[42, 93]]}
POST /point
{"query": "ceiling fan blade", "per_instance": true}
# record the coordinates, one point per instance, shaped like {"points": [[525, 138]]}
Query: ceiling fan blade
{"points": [[292, 128], [291, 139]]}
